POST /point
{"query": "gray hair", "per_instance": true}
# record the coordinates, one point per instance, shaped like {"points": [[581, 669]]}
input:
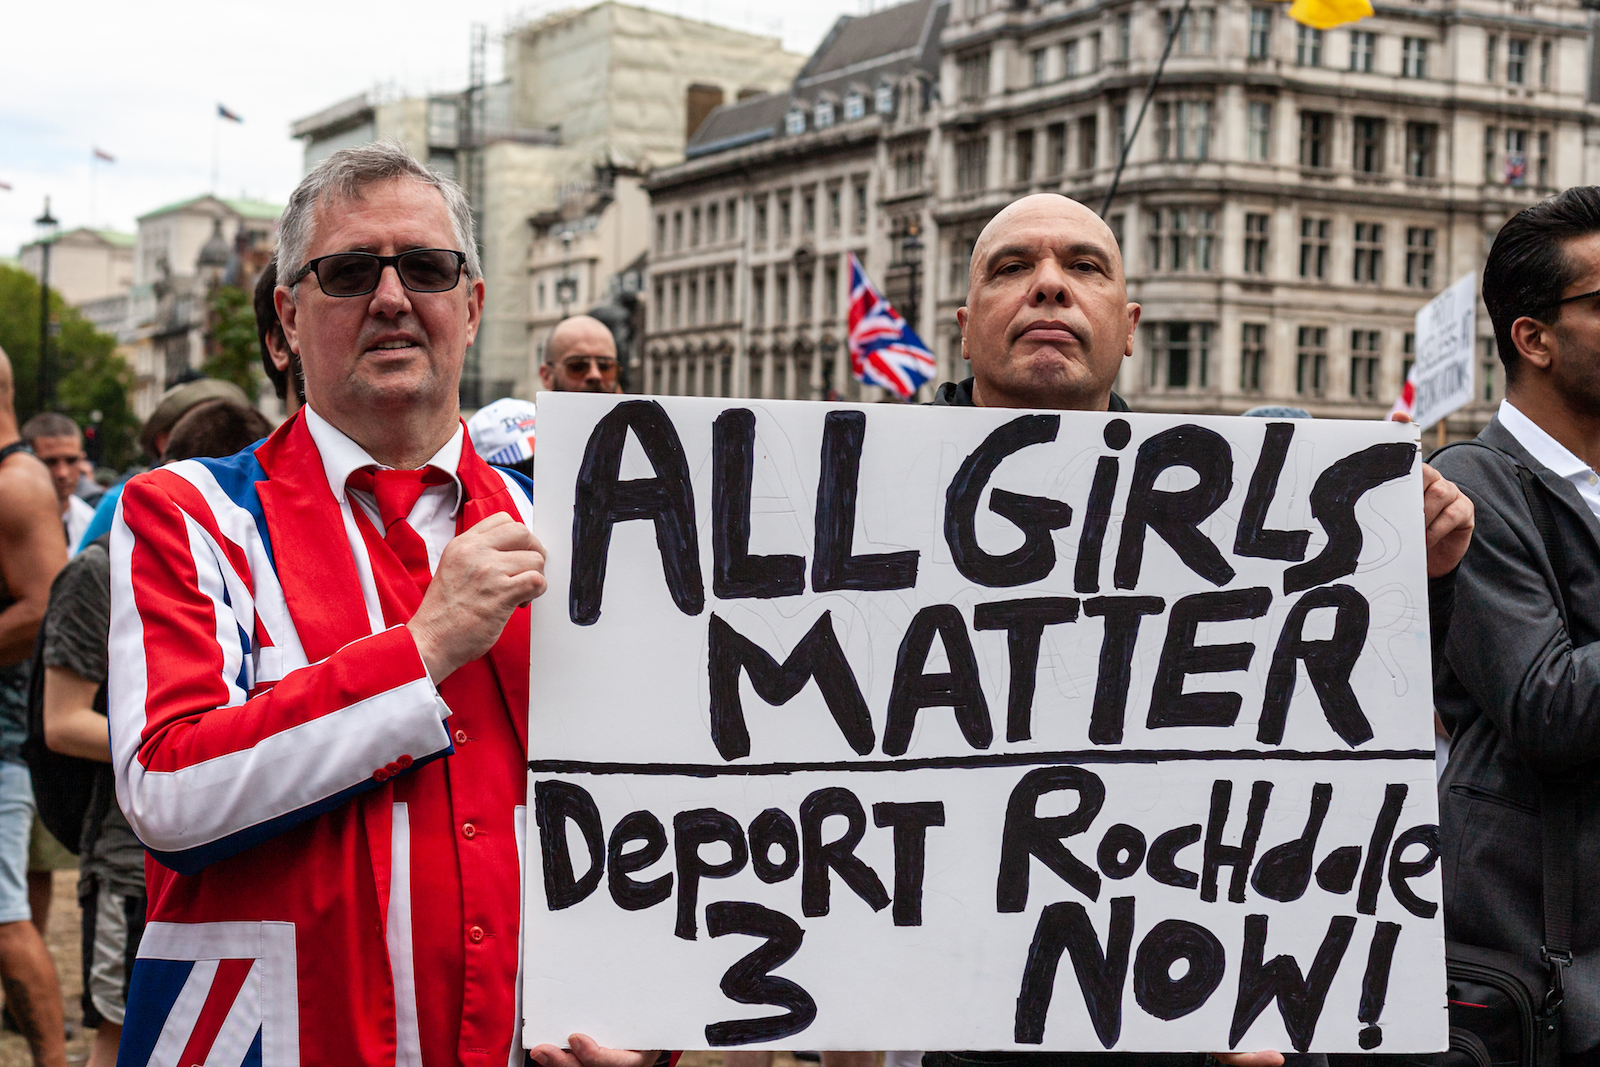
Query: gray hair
{"points": [[347, 172]]}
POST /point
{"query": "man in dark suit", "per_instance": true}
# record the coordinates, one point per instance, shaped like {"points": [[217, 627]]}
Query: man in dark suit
{"points": [[1520, 680]]}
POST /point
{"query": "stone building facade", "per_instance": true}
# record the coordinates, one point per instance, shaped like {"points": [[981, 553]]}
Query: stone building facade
{"points": [[1289, 201]]}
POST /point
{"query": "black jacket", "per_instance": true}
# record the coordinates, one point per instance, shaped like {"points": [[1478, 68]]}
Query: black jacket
{"points": [[1523, 695], [959, 395]]}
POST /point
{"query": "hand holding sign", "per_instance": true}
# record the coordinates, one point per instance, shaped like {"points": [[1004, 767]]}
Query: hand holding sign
{"points": [[483, 576]]}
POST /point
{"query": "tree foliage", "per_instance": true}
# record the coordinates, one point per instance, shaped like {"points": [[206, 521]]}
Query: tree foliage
{"points": [[235, 349], [88, 374]]}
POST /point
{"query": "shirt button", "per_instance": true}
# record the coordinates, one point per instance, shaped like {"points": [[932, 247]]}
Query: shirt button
{"points": [[380, 775], [461, 737], [475, 933], [1593, 478], [469, 831], [405, 762], [393, 769]]}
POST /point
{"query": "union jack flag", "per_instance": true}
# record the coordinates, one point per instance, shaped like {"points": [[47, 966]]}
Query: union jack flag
{"points": [[884, 350]]}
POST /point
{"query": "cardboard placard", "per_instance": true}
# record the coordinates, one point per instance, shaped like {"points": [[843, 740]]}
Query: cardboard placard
{"points": [[1446, 339], [899, 727]]}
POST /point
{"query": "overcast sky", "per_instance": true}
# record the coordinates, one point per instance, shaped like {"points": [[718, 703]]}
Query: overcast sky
{"points": [[141, 81]]}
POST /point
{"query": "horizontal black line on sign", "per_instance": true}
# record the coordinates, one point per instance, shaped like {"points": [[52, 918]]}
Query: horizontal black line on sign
{"points": [[999, 759]]}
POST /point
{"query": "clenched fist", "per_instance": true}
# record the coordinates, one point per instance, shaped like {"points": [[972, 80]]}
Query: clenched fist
{"points": [[484, 575]]}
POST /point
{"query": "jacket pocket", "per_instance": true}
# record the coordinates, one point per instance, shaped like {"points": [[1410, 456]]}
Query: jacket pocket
{"points": [[1472, 792]]}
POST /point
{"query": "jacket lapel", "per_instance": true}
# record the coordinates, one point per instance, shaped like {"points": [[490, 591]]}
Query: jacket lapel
{"points": [[509, 658], [1497, 435], [310, 554]]}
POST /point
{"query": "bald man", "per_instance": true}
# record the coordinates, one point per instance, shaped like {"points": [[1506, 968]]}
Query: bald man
{"points": [[580, 357], [32, 550]]}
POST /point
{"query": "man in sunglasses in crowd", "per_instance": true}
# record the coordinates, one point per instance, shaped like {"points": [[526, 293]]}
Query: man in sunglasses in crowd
{"points": [[580, 357], [318, 677]]}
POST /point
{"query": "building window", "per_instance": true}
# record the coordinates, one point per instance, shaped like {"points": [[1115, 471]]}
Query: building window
{"points": [[855, 106], [1260, 32], [694, 228], [1092, 42], [1543, 171], [1516, 157], [732, 215], [713, 221], [1311, 361], [729, 298], [1055, 149], [835, 209], [1316, 139], [1252, 356], [1119, 128], [711, 297], [1124, 36], [780, 298], [1307, 46], [540, 304], [761, 221], [1116, 223], [1489, 362], [1069, 59], [1182, 355], [1255, 244], [1363, 50], [1259, 134], [758, 297], [1546, 53], [1491, 46], [1419, 257], [694, 301], [1408, 350], [677, 230], [1414, 58], [1422, 149], [822, 115], [1183, 130], [677, 302], [908, 170], [883, 99], [1516, 60], [972, 165], [1369, 253], [1038, 66], [1197, 32], [1314, 235], [1183, 240], [1369, 144], [830, 290], [1364, 364], [794, 122], [960, 263], [860, 194], [1024, 155], [808, 213], [660, 306], [661, 233], [1491, 153], [808, 285], [1088, 142], [974, 73]]}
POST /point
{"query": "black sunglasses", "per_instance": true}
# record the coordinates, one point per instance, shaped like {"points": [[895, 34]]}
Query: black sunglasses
{"points": [[1570, 299], [421, 270]]}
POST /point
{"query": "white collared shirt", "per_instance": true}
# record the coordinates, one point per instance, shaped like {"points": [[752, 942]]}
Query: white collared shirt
{"points": [[1553, 454], [433, 516]]}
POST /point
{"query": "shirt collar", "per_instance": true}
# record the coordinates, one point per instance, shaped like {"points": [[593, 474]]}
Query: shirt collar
{"points": [[341, 456], [1540, 445]]}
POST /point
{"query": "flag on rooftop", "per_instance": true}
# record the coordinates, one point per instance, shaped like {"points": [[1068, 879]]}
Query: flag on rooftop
{"points": [[1326, 14], [101, 153], [884, 350], [224, 113]]}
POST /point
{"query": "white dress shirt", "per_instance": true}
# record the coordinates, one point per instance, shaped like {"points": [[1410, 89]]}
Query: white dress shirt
{"points": [[433, 516], [1552, 453], [76, 519]]}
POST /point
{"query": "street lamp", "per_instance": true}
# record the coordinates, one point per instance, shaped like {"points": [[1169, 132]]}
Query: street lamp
{"points": [[47, 229], [911, 258], [567, 287]]}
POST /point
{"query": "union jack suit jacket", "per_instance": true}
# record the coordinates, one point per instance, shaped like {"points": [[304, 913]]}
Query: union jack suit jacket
{"points": [[262, 719]]}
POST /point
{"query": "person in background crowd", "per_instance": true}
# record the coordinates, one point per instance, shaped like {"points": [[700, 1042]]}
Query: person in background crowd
{"points": [[280, 363], [111, 888], [502, 433], [580, 357], [1520, 679], [32, 550], [58, 443], [1047, 324], [153, 436]]}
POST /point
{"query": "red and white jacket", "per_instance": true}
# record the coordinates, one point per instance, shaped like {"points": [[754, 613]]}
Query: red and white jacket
{"points": [[335, 846]]}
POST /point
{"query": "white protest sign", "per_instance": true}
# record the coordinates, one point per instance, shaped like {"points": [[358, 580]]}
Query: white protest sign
{"points": [[1447, 331], [900, 727]]}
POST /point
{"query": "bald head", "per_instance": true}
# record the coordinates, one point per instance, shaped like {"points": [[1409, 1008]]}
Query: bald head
{"points": [[1029, 212], [580, 356], [1047, 322]]}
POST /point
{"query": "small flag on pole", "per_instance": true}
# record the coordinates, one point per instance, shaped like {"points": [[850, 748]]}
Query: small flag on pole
{"points": [[102, 154], [883, 349], [224, 113]]}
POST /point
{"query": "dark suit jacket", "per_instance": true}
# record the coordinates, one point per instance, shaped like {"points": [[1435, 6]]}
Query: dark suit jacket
{"points": [[1522, 695]]}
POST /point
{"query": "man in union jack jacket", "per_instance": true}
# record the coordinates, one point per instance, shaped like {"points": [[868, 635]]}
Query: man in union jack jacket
{"points": [[318, 682]]}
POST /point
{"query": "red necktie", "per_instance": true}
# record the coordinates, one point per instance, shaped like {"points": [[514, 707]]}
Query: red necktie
{"points": [[397, 493]]}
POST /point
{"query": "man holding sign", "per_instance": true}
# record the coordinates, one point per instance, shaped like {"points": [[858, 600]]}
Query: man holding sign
{"points": [[319, 677]]}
